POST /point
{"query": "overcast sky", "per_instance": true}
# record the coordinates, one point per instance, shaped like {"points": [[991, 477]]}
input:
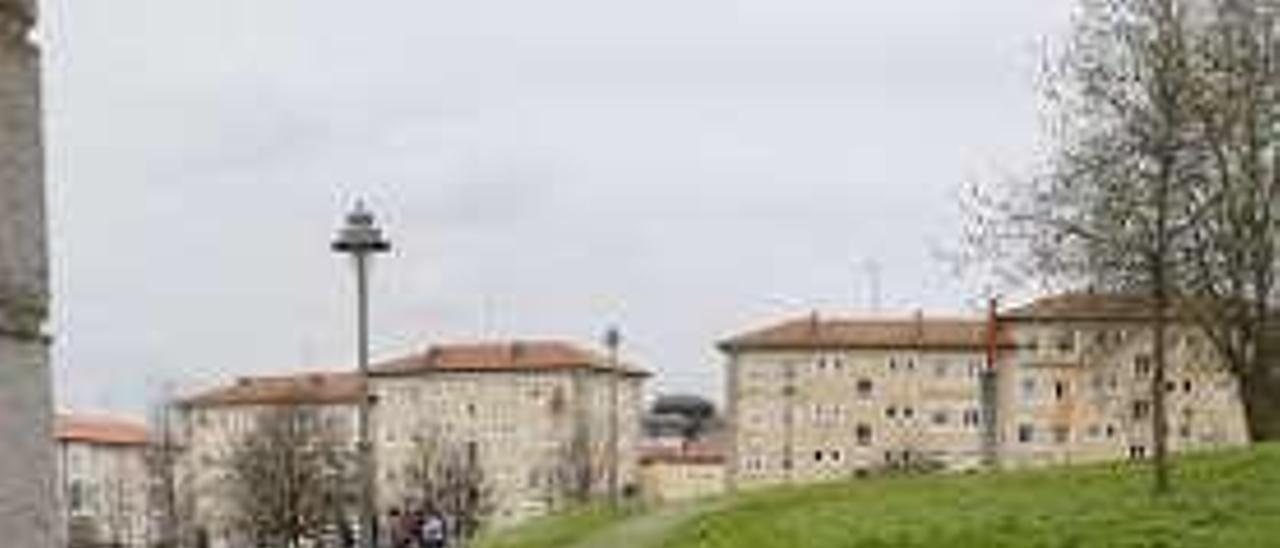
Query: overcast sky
{"points": [[685, 168]]}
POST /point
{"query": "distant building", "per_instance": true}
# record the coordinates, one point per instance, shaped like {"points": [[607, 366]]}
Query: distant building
{"points": [[673, 473], [211, 425], [534, 414], [819, 398], [1076, 386], [1064, 379], [103, 480]]}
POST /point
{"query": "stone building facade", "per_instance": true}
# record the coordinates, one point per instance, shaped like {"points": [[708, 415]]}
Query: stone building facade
{"points": [[104, 481], [1064, 379], [210, 426], [1076, 385], [819, 398], [530, 412], [688, 471], [28, 515], [536, 414]]}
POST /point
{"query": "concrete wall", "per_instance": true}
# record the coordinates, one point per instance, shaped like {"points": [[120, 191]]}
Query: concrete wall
{"points": [[28, 515]]}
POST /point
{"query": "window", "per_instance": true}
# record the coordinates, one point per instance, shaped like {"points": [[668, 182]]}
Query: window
{"points": [[1141, 409], [1026, 433], [865, 388], [1028, 388], [836, 456], [940, 417], [1094, 432], [1061, 433], [891, 412], [972, 417], [1142, 365], [1186, 386], [1185, 431], [1137, 452], [1111, 431], [1066, 342], [893, 364], [863, 433], [76, 496], [940, 370], [817, 456], [908, 413], [1059, 390]]}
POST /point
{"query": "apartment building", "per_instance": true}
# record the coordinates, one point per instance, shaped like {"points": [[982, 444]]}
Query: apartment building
{"points": [[211, 425], [1076, 385], [823, 398], [103, 480], [538, 415], [1063, 379], [533, 415]]}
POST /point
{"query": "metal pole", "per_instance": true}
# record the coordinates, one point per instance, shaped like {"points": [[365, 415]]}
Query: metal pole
{"points": [[613, 340], [368, 515]]}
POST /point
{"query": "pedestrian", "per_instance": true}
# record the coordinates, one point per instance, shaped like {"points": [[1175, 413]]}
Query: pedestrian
{"points": [[394, 528], [434, 534]]}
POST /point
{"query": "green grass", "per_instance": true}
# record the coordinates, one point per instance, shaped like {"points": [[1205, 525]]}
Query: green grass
{"points": [[557, 531], [1223, 500]]}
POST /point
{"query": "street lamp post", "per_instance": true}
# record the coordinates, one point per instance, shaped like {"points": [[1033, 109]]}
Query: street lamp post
{"points": [[612, 340], [362, 239]]}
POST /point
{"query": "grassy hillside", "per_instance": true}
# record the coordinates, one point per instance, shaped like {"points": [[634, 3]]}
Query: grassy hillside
{"points": [[1225, 500]]}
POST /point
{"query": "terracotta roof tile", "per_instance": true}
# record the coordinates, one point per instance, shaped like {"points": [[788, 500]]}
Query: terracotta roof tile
{"points": [[1095, 307], [817, 332], [98, 429], [314, 388], [689, 453], [500, 357]]}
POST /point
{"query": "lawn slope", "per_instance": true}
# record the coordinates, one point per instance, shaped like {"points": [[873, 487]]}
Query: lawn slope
{"points": [[1224, 500]]}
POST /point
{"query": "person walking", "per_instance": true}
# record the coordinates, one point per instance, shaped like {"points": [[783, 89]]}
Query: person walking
{"points": [[434, 534]]}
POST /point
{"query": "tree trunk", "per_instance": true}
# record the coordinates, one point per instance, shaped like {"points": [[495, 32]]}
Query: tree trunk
{"points": [[1159, 412], [1259, 387]]}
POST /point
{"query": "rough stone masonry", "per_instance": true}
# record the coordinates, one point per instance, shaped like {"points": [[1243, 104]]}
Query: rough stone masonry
{"points": [[28, 517]]}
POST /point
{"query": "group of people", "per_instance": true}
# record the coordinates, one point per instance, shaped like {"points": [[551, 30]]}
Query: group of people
{"points": [[423, 528]]}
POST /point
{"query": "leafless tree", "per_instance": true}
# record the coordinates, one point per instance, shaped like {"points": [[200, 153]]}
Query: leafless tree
{"points": [[447, 476], [1125, 184], [1230, 257], [291, 478]]}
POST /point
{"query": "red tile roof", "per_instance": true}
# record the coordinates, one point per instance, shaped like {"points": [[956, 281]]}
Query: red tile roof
{"points": [[510, 356], [313, 388], [689, 453], [101, 430], [1116, 307], [815, 332]]}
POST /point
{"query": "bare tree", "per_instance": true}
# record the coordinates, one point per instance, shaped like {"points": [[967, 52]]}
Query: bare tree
{"points": [[448, 477], [1124, 185], [1231, 256], [291, 478]]}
